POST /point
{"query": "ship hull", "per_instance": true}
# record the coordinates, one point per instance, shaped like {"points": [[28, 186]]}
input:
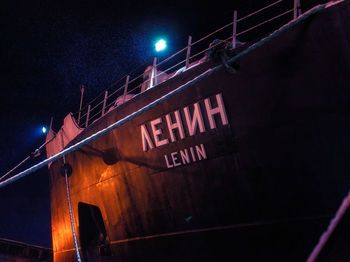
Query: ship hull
{"points": [[254, 174]]}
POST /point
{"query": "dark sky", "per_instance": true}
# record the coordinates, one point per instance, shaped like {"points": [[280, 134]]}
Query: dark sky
{"points": [[49, 48]]}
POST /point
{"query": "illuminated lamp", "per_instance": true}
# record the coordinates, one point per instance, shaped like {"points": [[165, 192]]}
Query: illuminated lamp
{"points": [[160, 45]]}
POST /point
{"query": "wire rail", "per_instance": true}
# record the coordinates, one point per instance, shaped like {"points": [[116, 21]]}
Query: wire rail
{"points": [[98, 107], [159, 100]]}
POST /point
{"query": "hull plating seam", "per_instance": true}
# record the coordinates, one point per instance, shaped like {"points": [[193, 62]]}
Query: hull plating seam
{"points": [[200, 230]]}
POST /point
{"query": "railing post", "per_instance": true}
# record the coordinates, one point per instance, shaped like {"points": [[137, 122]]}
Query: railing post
{"points": [[188, 54], [297, 9], [87, 116], [234, 33], [126, 87], [154, 73], [104, 103], [81, 101]]}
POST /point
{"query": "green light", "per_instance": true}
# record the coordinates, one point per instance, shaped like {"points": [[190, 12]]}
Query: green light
{"points": [[160, 45]]}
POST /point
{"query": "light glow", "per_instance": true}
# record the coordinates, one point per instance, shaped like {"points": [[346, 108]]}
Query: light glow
{"points": [[43, 129], [160, 45]]}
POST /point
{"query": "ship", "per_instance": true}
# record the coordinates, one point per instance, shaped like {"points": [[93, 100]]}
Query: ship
{"points": [[237, 153]]}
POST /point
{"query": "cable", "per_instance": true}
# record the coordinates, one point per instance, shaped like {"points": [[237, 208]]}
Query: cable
{"points": [[109, 128], [17, 166], [70, 206], [159, 100], [34, 153]]}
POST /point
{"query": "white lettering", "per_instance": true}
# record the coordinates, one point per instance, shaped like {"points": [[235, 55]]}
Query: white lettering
{"points": [[158, 132], [185, 157], [197, 119], [146, 139], [174, 158], [192, 154], [167, 162], [201, 154], [220, 109], [177, 125]]}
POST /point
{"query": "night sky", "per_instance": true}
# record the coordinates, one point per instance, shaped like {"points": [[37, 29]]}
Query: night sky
{"points": [[48, 49]]}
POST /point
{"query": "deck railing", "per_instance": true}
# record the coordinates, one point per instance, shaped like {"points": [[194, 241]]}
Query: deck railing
{"points": [[123, 89]]}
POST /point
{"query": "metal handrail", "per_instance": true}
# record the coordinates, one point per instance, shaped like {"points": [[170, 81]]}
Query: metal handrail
{"points": [[130, 85], [138, 86], [95, 106], [172, 67], [134, 79], [260, 10], [172, 56], [116, 91], [265, 22], [207, 49], [216, 31]]}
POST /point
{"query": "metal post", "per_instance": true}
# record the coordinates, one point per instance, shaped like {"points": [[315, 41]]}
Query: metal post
{"points": [[87, 116], [51, 122], [126, 87], [82, 87], [297, 9], [104, 103], [188, 54], [234, 29], [154, 73]]}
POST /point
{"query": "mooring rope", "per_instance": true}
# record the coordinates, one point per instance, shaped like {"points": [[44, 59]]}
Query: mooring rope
{"points": [[151, 105], [107, 129], [70, 206], [71, 218]]}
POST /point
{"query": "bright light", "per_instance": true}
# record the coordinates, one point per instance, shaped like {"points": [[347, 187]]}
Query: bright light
{"points": [[160, 45], [44, 130]]}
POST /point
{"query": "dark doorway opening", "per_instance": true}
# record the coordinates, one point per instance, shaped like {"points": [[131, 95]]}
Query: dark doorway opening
{"points": [[92, 232]]}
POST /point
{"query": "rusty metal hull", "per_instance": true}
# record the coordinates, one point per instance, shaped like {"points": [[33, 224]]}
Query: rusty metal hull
{"points": [[265, 186]]}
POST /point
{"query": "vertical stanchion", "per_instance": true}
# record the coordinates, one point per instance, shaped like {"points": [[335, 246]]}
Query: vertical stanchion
{"points": [[81, 101], [87, 116], [154, 73], [104, 103], [126, 87], [297, 9], [51, 122], [188, 53], [234, 33]]}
